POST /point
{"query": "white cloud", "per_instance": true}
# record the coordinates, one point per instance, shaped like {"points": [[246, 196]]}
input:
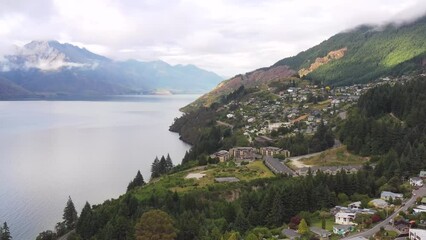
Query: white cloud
{"points": [[226, 36]]}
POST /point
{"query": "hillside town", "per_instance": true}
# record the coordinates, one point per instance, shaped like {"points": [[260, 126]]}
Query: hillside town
{"points": [[297, 109]]}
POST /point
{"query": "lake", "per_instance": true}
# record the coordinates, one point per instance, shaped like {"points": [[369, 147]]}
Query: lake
{"points": [[89, 150]]}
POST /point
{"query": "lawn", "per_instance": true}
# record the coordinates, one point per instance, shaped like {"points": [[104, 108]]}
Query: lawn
{"points": [[329, 222], [335, 157], [322, 104]]}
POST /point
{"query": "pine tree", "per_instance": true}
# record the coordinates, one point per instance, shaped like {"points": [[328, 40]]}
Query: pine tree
{"points": [[138, 181], [276, 214], [155, 171], [241, 223], [84, 223], [5, 233], [162, 165], [169, 163], [70, 215]]}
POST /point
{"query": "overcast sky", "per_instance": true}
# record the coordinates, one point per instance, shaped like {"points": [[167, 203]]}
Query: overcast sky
{"points": [[225, 36]]}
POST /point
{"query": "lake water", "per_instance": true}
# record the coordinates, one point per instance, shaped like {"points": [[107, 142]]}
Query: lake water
{"points": [[88, 150]]}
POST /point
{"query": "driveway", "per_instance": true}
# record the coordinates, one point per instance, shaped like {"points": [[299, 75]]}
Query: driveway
{"points": [[370, 232]]}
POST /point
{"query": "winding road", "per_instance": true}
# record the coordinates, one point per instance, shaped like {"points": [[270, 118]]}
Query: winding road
{"points": [[370, 232]]}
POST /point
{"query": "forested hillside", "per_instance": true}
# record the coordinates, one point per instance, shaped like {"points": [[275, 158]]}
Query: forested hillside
{"points": [[390, 120], [372, 52], [208, 214]]}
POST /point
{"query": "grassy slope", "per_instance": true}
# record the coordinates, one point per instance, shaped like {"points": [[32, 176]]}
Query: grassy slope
{"points": [[177, 182], [335, 157]]}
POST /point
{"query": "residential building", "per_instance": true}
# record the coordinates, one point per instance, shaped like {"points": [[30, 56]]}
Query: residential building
{"points": [[402, 226], [243, 153], [323, 234], [332, 170], [271, 151], [422, 174], [419, 209], [342, 230], [379, 203], [416, 182], [222, 155], [277, 167], [385, 195], [344, 218], [417, 234], [355, 205], [338, 209], [291, 234]]}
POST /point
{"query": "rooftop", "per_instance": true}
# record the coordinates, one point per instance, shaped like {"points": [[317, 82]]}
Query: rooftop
{"points": [[227, 179], [277, 167]]}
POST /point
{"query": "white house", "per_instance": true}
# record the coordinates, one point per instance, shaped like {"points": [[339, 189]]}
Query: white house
{"points": [[420, 209], [417, 234], [343, 218], [416, 182], [385, 195], [355, 205]]}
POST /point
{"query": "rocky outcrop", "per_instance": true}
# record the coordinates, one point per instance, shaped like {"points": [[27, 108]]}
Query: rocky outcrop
{"points": [[333, 55]]}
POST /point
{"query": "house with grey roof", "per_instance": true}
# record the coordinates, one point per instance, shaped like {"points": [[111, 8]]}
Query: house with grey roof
{"points": [[322, 233], [277, 167], [290, 233], [379, 203], [385, 195]]}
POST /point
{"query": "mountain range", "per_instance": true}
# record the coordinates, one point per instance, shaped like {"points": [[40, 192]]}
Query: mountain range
{"points": [[360, 55], [53, 69]]}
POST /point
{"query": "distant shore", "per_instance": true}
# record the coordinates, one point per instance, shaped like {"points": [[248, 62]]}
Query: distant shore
{"points": [[91, 97]]}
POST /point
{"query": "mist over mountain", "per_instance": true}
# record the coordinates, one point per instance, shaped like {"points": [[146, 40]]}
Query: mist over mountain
{"points": [[359, 55], [50, 68]]}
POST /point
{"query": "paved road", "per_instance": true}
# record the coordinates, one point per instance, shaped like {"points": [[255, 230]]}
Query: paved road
{"points": [[337, 144], [370, 232]]}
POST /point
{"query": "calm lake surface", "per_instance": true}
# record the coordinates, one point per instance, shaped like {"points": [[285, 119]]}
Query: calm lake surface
{"points": [[88, 150]]}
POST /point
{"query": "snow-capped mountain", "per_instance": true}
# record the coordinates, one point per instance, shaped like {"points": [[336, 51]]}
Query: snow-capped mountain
{"points": [[51, 68]]}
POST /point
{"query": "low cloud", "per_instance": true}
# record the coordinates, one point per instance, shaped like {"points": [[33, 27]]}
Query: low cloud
{"points": [[228, 37]]}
